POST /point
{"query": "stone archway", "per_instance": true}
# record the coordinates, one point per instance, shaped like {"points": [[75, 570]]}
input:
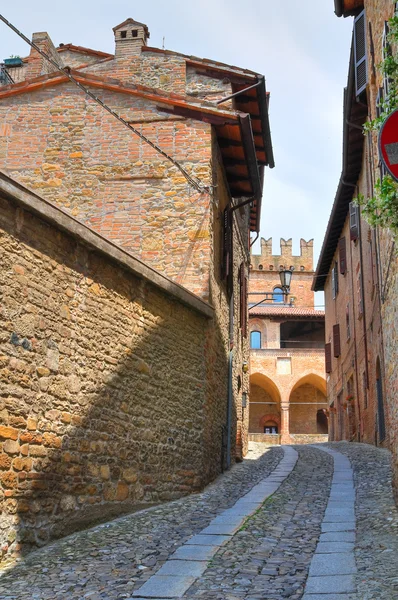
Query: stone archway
{"points": [[264, 403], [308, 405]]}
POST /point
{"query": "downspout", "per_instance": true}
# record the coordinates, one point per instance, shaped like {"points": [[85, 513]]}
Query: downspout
{"points": [[230, 373]]}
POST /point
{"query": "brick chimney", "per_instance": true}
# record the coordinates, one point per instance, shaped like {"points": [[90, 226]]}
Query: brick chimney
{"points": [[37, 65], [130, 36]]}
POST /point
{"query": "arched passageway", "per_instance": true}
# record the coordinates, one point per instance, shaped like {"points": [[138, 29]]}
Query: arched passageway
{"points": [[264, 416], [307, 406]]}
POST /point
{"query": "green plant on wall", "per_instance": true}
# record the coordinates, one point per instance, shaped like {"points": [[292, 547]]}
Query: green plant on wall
{"points": [[382, 208]]}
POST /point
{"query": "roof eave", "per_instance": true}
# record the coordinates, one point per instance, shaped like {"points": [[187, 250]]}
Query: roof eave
{"points": [[263, 105], [352, 165], [252, 165]]}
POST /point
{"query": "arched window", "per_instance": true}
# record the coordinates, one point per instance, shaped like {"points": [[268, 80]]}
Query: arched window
{"points": [[255, 340], [278, 295]]}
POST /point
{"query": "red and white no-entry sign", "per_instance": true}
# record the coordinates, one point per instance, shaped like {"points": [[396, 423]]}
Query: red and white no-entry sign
{"points": [[388, 144]]}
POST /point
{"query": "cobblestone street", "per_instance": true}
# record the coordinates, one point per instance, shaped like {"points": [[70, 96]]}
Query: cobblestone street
{"points": [[293, 522]]}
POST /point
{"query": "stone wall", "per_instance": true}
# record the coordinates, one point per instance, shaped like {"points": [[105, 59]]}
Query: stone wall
{"points": [[305, 401], [105, 397], [308, 439], [71, 152]]}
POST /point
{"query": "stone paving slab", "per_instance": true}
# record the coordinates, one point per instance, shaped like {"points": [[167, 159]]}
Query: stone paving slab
{"points": [[159, 586], [227, 519], [333, 564], [336, 515], [329, 597], [240, 511], [338, 536], [336, 584], [338, 526], [333, 547], [221, 529], [342, 496], [207, 540], [190, 568], [195, 552]]}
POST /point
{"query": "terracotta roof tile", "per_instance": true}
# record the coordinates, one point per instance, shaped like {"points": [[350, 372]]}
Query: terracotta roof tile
{"points": [[286, 311]]}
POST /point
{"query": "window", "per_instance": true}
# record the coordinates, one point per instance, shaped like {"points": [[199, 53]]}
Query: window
{"points": [[255, 340], [347, 321], [134, 33], [360, 54], [386, 53], [335, 281], [354, 221], [336, 341], [123, 34], [342, 256], [278, 295], [328, 358]]}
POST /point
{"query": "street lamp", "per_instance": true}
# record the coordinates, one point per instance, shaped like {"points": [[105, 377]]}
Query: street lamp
{"points": [[285, 277]]}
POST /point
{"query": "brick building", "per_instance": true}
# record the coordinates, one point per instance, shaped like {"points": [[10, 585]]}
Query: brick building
{"points": [[287, 364], [145, 273], [357, 268]]}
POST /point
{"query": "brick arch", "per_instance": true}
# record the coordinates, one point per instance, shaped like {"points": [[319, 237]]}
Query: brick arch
{"points": [[275, 418], [312, 378], [267, 384]]}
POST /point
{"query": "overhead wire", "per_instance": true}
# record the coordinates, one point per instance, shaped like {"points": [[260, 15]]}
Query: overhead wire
{"points": [[193, 181]]}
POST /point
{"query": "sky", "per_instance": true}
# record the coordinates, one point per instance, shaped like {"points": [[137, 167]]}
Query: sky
{"points": [[300, 46]]}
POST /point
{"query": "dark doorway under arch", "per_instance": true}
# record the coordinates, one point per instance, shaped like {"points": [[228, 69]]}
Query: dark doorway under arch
{"points": [[322, 422]]}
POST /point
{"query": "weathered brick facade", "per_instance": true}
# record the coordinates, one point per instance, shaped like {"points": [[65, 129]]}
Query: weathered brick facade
{"points": [[363, 380], [73, 357], [288, 369]]}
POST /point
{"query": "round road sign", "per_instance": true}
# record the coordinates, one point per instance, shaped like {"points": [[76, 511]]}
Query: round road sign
{"points": [[388, 144]]}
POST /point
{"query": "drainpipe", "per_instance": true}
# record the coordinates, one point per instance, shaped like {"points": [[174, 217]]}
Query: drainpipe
{"points": [[230, 373]]}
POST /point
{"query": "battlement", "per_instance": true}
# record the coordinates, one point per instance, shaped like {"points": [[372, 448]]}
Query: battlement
{"points": [[266, 261]]}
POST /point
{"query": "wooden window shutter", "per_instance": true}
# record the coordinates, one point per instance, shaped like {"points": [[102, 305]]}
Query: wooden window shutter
{"points": [[336, 341], [342, 256], [386, 51], [354, 229], [347, 321], [226, 249], [336, 277], [328, 358], [333, 283], [360, 54]]}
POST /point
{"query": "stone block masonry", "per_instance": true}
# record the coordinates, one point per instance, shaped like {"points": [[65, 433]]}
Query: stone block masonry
{"points": [[104, 392]]}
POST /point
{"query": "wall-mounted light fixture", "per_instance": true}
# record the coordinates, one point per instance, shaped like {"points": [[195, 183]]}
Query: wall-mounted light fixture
{"points": [[245, 367], [286, 277]]}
